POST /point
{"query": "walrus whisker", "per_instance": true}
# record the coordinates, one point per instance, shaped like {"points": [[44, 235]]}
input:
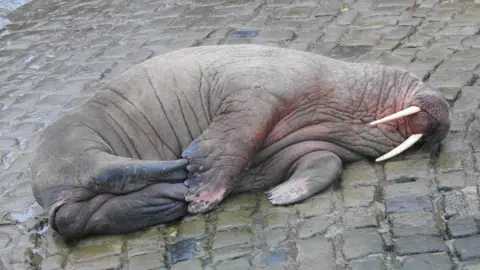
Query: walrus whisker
{"points": [[402, 113], [401, 148]]}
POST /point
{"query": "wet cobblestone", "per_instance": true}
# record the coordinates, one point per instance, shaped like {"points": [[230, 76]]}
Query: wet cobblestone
{"points": [[401, 215]]}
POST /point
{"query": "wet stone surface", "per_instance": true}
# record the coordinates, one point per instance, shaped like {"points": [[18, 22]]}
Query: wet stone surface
{"points": [[401, 214]]}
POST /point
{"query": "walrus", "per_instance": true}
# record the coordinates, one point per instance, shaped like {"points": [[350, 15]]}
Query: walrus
{"points": [[179, 132]]}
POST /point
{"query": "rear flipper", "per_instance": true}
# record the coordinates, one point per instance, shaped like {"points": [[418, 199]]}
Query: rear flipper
{"points": [[110, 214], [107, 194], [121, 175], [308, 175]]}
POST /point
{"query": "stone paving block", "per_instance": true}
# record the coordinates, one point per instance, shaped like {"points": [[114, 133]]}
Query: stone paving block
{"points": [[417, 40], [285, 25], [231, 238], [299, 12], [437, 53], [467, 248], [451, 180], [407, 197], [190, 265], [229, 254], [240, 263], [348, 53], [375, 263], [386, 45], [277, 258], [454, 204], [403, 170], [315, 207], [52, 262], [463, 226], [362, 242], [242, 201], [145, 242], [183, 250], [146, 261], [416, 244], [438, 261], [375, 23], [448, 162], [275, 35], [314, 252], [472, 265], [109, 262], [413, 223], [275, 237], [358, 174], [358, 196], [314, 226], [277, 219], [399, 33], [468, 101], [88, 253], [233, 219], [192, 228], [360, 217], [360, 38]]}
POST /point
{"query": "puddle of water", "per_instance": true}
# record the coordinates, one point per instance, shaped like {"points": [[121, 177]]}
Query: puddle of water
{"points": [[183, 250], [22, 217], [8, 159], [278, 257]]}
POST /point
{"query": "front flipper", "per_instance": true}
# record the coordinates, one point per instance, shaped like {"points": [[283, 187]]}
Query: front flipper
{"points": [[309, 175], [121, 175], [224, 150]]}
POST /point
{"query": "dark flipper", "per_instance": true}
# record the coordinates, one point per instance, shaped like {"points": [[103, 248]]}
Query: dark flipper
{"points": [[109, 214], [120, 175], [309, 175]]}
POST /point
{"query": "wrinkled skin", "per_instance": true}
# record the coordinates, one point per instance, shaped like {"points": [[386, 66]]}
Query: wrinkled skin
{"points": [[226, 119]]}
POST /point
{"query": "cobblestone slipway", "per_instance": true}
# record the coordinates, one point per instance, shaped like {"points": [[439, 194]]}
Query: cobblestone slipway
{"points": [[411, 213]]}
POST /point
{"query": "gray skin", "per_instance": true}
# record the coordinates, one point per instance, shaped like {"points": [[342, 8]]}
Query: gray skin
{"points": [[181, 131]]}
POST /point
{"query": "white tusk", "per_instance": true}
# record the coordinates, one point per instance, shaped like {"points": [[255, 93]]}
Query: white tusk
{"points": [[402, 113], [402, 147]]}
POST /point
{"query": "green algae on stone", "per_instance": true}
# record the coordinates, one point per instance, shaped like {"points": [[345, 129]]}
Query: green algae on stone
{"points": [[147, 261], [239, 201], [359, 196], [315, 207], [448, 162], [404, 170], [95, 252], [148, 241], [97, 240], [109, 262], [277, 219], [192, 228], [188, 265], [53, 262], [231, 238], [233, 219], [358, 174]]}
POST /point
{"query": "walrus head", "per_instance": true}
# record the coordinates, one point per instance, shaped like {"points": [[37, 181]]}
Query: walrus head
{"points": [[426, 116]]}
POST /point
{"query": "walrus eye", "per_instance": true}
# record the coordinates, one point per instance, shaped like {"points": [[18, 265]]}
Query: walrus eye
{"points": [[408, 111], [402, 147]]}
